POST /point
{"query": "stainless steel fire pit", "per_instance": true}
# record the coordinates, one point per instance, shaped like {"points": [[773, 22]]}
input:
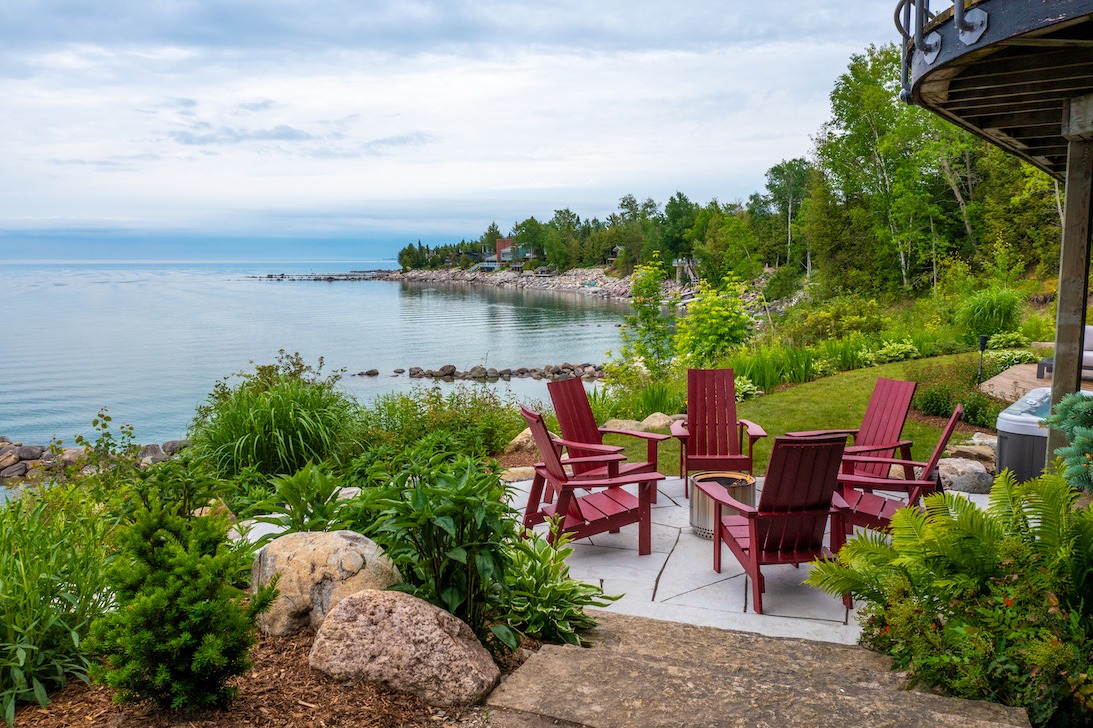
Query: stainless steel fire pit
{"points": [[740, 486]]}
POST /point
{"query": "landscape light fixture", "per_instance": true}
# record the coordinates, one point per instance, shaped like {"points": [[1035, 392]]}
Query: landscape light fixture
{"points": [[982, 348]]}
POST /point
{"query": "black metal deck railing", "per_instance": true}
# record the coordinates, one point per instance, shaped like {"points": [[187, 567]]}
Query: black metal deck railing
{"points": [[913, 21]]}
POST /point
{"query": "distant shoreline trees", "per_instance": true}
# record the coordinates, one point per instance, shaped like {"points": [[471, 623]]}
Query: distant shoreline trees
{"points": [[890, 195]]}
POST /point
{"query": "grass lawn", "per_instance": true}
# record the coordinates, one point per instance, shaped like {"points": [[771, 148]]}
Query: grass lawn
{"points": [[833, 402]]}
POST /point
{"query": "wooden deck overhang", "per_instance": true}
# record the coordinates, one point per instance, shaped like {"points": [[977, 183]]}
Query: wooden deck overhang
{"points": [[1013, 84], [1019, 73]]}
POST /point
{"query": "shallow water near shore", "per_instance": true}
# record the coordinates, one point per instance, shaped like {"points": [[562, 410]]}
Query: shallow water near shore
{"points": [[149, 340]]}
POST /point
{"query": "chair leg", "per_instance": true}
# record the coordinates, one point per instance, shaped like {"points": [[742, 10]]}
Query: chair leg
{"points": [[757, 589], [533, 512], [645, 530]]}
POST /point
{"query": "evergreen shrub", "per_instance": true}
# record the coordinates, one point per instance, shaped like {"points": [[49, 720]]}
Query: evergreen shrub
{"points": [[180, 631], [1073, 415]]}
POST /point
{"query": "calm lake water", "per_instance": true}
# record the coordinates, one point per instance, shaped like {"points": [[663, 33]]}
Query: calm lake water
{"points": [[149, 340]]}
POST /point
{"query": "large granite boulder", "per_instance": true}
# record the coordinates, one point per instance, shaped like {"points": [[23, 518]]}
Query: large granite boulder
{"points": [[318, 570], [522, 443], [407, 644], [656, 421], [962, 474]]}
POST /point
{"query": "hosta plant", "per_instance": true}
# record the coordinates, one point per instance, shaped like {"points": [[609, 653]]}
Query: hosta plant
{"points": [[545, 602]]}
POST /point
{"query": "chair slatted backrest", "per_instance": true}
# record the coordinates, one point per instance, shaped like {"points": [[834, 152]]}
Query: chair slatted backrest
{"points": [[711, 413], [950, 427], [884, 417], [801, 477], [548, 449], [575, 418]]}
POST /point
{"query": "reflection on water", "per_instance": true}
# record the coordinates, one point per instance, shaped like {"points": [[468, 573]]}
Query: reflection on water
{"points": [[149, 341]]}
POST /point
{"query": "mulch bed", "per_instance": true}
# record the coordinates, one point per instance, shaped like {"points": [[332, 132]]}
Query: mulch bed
{"points": [[280, 690]]}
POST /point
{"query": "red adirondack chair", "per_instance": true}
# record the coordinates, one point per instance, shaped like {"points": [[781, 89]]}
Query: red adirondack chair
{"points": [[578, 424], [711, 437], [881, 426], [865, 508], [606, 507], [787, 527]]}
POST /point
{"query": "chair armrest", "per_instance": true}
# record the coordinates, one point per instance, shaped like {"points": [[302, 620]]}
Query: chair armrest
{"points": [[820, 433], [754, 430], [590, 446], [635, 433], [718, 494], [594, 460], [678, 428], [902, 445], [613, 481], [869, 482]]}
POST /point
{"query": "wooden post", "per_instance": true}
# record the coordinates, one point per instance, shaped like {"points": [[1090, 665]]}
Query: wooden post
{"points": [[1074, 259]]}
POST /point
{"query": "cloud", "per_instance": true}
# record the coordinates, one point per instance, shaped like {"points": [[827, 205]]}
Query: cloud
{"points": [[217, 114], [229, 135]]}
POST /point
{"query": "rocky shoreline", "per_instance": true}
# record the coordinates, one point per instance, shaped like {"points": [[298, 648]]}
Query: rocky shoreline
{"points": [[18, 460], [550, 372]]}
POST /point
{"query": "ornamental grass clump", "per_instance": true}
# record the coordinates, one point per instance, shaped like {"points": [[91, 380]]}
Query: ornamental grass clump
{"points": [[274, 421], [53, 557], [180, 630], [991, 604]]}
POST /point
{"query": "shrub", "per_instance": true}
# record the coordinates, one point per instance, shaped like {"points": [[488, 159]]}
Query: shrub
{"points": [[716, 323], [447, 526], [1073, 415], [180, 631], [1008, 340], [810, 323], [988, 605], [279, 418], [891, 351], [53, 559], [647, 336], [785, 282], [997, 361], [1039, 327], [476, 420], [545, 603], [305, 501], [990, 311]]}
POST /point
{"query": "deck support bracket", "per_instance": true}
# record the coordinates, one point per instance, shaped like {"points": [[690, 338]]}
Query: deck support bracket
{"points": [[970, 25]]}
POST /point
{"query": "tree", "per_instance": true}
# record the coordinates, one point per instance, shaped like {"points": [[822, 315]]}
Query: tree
{"points": [[679, 218], [787, 185]]}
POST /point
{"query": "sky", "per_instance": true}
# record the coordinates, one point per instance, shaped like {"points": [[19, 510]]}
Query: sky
{"points": [[218, 128]]}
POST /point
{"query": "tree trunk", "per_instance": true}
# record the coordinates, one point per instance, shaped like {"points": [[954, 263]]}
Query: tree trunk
{"points": [[955, 185]]}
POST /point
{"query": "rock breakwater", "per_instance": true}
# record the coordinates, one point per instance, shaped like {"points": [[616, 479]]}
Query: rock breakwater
{"points": [[449, 372], [19, 461]]}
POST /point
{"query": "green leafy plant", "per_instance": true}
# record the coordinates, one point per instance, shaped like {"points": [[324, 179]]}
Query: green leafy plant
{"points": [[997, 361], [545, 603], [54, 551], [647, 336], [715, 323], [838, 317], [180, 630], [305, 501], [891, 351], [447, 527], [276, 420], [987, 604], [744, 389], [1008, 340], [476, 420], [1073, 415]]}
